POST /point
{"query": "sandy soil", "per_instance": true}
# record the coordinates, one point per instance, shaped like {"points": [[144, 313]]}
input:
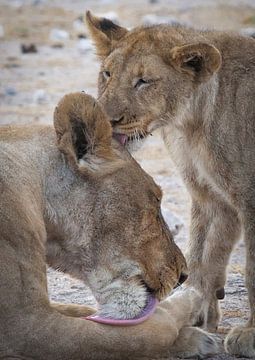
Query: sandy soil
{"points": [[31, 84]]}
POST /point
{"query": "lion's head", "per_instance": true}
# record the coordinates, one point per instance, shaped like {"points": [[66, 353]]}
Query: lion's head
{"points": [[148, 74], [114, 236]]}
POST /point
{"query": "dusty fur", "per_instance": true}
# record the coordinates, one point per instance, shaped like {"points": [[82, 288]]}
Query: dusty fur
{"points": [[199, 88]]}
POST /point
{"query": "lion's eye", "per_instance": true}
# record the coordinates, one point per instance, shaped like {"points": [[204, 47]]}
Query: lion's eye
{"points": [[106, 74], [140, 83]]}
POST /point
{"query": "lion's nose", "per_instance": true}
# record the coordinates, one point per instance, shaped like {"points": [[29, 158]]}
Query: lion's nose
{"points": [[182, 278]]}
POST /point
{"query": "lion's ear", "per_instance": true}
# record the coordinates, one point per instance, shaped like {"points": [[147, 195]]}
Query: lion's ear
{"points": [[104, 33], [84, 134], [200, 60]]}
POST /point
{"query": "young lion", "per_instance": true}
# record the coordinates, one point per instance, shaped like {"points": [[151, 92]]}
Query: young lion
{"points": [[82, 204], [199, 87]]}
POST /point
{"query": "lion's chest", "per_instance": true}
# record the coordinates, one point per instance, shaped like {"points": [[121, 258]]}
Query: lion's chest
{"points": [[194, 161]]}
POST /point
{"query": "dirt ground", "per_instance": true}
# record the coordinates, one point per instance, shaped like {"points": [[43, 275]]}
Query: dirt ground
{"points": [[32, 83]]}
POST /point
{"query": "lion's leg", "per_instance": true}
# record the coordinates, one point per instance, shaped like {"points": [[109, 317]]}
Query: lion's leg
{"points": [[193, 342], [214, 230], [182, 309], [241, 340], [53, 336], [73, 310]]}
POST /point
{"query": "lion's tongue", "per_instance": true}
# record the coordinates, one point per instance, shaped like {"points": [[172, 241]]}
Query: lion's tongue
{"points": [[144, 315], [121, 138]]}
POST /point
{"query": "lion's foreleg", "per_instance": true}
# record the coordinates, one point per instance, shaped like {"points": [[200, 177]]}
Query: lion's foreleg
{"points": [[73, 310], [215, 228], [195, 342], [182, 310], [241, 340]]}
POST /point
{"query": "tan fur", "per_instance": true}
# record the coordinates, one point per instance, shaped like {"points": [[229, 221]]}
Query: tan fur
{"points": [[198, 86], [75, 199]]}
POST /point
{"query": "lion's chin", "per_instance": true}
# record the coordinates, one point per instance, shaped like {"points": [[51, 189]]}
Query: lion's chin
{"points": [[144, 314]]}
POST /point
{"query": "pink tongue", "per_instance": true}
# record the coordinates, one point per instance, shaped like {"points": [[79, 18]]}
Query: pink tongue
{"points": [[144, 315], [121, 138]]}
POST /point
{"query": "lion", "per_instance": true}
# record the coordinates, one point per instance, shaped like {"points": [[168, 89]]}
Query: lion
{"points": [[198, 87], [73, 198]]}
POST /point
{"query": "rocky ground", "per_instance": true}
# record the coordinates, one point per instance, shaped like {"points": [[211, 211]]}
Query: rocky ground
{"points": [[63, 61]]}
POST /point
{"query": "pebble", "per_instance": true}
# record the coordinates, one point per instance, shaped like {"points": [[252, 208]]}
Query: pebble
{"points": [[79, 26], [40, 96], [59, 35], [11, 91], [84, 45], [151, 19], [250, 31], [174, 223], [28, 48]]}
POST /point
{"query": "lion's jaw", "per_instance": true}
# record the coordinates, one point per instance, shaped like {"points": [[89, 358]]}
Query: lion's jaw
{"points": [[118, 298]]}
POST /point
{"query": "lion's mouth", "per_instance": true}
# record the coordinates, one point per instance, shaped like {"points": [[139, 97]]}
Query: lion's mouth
{"points": [[124, 139], [148, 310]]}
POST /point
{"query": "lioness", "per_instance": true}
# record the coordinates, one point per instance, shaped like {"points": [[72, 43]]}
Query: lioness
{"points": [[199, 87], [74, 198]]}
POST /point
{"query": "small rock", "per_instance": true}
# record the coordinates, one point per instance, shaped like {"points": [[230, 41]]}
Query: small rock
{"points": [[40, 96], [79, 25], [28, 49], [1, 31], [13, 62], [84, 45], [11, 91], [151, 19], [59, 35], [172, 221], [250, 31], [57, 46], [11, 65], [82, 36]]}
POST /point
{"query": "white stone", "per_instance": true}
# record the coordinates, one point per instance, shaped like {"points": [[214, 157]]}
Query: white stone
{"points": [[84, 45], [249, 31], [79, 26], [59, 35], [174, 223], [40, 96]]}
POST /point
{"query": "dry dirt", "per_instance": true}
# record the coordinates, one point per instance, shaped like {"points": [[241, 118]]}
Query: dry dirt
{"points": [[31, 84]]}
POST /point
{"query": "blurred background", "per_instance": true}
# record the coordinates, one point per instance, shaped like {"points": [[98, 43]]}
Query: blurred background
{"points": [[45, 52]]}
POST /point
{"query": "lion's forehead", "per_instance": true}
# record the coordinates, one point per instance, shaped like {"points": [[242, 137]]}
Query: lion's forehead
{"points": [[123, 63]]}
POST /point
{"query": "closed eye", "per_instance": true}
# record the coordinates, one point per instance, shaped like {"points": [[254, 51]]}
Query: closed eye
{"points": [[141, 83], [106, 74]]}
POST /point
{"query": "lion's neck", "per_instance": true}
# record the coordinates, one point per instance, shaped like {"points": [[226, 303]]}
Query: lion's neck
{"points": [[195, 112]]}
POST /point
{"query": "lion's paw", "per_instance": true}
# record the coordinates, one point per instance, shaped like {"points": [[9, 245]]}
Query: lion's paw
{"points": [[241, 342], [195, 342]]}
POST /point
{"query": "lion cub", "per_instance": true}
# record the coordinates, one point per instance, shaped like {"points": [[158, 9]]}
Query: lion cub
{"points": [[199, 87]]}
